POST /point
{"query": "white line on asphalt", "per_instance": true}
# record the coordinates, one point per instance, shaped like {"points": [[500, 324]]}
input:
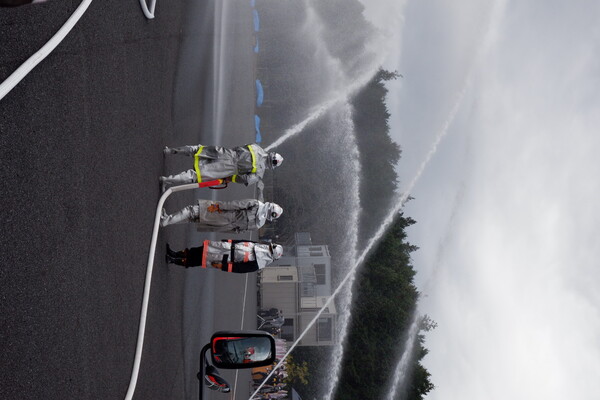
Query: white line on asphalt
{"points": [[241, 327]]}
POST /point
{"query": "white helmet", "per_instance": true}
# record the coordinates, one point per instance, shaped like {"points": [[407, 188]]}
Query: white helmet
{"points": [[277, 251], [275, 159], [273, 211]]}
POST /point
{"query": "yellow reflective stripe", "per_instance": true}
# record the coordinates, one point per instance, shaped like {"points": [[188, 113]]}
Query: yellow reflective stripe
{"points": [[253, 158], [233, 178], [196, 163]]}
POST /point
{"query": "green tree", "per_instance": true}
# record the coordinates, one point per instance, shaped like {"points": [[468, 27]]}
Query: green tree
{"points": [[297, 372], [383, 307]]}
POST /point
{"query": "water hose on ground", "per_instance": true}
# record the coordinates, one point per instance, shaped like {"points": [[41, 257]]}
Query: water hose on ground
{"points": [[25, 68], [146, 296]]}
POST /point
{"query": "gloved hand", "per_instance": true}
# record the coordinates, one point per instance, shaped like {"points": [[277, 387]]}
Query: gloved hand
{"points": [[214, 208]]}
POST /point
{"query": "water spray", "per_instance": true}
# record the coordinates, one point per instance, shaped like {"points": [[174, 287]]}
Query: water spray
{"points": [[380, 232], [403, 364], [338, 96]]}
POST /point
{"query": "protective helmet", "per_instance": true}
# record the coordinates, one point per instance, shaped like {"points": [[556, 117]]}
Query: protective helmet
{"points": [[273, 211], [275, 159], [277, 251]]}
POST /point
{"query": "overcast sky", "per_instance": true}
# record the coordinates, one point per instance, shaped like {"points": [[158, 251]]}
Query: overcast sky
{"points": [[508, 209]]}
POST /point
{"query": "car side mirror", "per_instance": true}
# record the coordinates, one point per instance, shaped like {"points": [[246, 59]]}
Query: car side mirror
{"points": [[237, 350]]}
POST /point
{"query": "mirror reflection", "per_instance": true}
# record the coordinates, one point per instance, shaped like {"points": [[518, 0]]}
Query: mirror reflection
{"points": [[240, 350]]}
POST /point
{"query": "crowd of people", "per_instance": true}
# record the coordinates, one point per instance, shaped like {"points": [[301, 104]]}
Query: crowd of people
{"points": [[275, 387]]}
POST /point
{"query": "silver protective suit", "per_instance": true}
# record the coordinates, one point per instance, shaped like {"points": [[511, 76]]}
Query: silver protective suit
{"points": [[245, 164], [232, 216], [242, 252]]}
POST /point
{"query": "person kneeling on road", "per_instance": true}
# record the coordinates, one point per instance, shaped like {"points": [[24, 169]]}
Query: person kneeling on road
{"points": [[239, 256]]}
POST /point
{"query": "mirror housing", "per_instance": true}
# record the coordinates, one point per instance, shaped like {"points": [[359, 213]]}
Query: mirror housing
{"points": [[213, 380], [237, 349]]}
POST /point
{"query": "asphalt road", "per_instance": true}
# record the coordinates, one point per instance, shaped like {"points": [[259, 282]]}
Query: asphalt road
{"points": [[80, 153]]}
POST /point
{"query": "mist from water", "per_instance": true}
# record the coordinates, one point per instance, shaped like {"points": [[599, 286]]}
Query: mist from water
{"points": [[376, 238], [401, 371], [338, 79], [351, 274], [338, 96], [394, 211], [335, 106], [352, 200], [340, 133]]}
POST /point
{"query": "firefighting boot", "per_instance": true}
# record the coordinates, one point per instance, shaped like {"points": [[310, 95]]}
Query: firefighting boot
{"points": [[188, 176], [176, 254], [184, 215], [183, 150], [176, 260]]}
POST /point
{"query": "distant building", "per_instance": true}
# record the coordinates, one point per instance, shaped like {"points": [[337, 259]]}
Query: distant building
{"points": [[299, 284]]}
